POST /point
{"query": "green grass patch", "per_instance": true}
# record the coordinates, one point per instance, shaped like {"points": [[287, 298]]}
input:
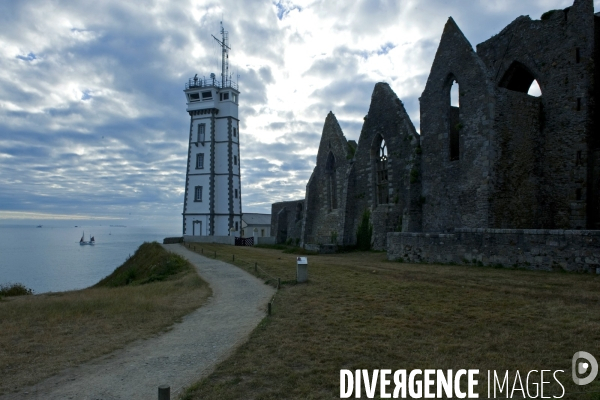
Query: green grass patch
{"points": [[41, 335], [360, 311], [150, 263]]}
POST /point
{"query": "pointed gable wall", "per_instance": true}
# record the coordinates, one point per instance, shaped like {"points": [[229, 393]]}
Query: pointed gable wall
{"points": [[387, 119], [325, 189], [455, 142]]}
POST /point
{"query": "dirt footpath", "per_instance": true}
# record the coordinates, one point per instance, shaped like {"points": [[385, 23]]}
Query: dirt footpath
{"points": [[177, 358]]}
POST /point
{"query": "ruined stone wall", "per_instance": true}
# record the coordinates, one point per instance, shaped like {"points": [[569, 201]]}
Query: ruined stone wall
{"points": [[388, 199], [286, 221], [501, 159], [325, 200], [528, 248], [518, 200], [456, 187], [557, 51]]}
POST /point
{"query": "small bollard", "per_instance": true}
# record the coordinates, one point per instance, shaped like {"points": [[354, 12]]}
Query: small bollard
{"points": [[164, 392], [278, 282], [269, 309]]}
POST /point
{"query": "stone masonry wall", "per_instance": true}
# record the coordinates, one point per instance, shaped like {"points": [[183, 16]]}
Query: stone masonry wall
{"points": [[286, 220], [558, 52], [325, 200], [456, 185], [528, 248], [387, 120], [517, 201]]}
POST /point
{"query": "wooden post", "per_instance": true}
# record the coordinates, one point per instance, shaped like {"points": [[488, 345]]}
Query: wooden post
{"points": [[278, 282], [203, 250], [233, 257], [194, 248], [269, 309], [215, 254], [255, 267], [164, 392]]}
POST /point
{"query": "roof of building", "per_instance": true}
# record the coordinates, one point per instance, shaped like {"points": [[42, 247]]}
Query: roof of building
{"points": [[256, 219]]}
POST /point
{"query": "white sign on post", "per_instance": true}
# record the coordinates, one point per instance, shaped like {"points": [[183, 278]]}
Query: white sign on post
{"points": [[301, 269]]}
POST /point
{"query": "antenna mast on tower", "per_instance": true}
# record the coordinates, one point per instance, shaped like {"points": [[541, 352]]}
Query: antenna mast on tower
{"points": [[224, 54]]}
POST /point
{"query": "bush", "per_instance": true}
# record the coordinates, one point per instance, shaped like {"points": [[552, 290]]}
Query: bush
{"points": [[414, 175], [548, 14], [364, 232], [14, 289]]}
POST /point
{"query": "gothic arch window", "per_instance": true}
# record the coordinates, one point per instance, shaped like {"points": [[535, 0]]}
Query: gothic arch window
{"points": [[454, 125], [519, 78], [331, 182], [381, 170]]}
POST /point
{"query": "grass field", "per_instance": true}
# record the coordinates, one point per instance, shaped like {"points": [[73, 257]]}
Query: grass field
{"points": [[43, 334], [360, 311]]}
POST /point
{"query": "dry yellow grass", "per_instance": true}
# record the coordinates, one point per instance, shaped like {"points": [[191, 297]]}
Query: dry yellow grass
{"points": [[43, 334], [360, 311]]}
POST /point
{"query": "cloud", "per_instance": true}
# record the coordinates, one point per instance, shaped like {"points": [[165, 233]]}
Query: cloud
{"points": [[92, 111]]}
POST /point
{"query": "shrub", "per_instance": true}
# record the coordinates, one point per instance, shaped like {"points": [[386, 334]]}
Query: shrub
{"points": [[14, 289], [548, 14], [414, 175], [364, 231]]}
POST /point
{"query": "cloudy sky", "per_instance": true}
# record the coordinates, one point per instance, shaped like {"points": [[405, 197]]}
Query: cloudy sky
{"points": [[92, 111]]}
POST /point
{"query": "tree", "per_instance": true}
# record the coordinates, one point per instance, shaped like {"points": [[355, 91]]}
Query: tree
{"points": [[364, 231]]}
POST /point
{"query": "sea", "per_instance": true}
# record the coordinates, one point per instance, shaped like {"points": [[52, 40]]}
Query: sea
{"points": [[50, 259]]}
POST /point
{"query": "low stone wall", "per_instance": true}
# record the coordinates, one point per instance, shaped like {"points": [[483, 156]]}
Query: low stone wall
{"points": [[321, 248], [264, 240], [209, 239], [541, 249], [172, 240]]}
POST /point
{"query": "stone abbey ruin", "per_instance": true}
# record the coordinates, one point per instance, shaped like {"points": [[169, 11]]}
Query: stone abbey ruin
{"points": [[505, 178]]}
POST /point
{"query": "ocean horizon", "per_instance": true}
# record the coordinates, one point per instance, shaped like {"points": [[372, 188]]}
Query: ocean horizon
{"points": [[50, 259]]}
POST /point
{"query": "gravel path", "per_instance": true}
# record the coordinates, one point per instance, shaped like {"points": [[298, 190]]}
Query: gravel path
{"points": [[177, 358]]}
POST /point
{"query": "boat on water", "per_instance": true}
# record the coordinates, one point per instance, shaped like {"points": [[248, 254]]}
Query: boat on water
{"points": [[83, 242]]}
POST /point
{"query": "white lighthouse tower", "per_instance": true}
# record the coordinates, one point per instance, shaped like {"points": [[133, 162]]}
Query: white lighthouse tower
{"points": [[213, 200]]}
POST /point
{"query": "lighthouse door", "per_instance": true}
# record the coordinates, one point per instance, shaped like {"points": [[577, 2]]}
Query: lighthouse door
{"points": [[197, 228]]}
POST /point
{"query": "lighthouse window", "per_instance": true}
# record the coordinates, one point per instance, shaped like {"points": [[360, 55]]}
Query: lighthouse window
{"points": [[198, 193], [201, 130], [236, 193], [206, 95], [200, 161], [224, 96], [234, 131], [234, 97], [234, 160], [194, 96]]}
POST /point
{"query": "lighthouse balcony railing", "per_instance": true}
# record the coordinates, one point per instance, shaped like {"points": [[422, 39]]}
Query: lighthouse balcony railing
{"points": [[209, 82]]}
